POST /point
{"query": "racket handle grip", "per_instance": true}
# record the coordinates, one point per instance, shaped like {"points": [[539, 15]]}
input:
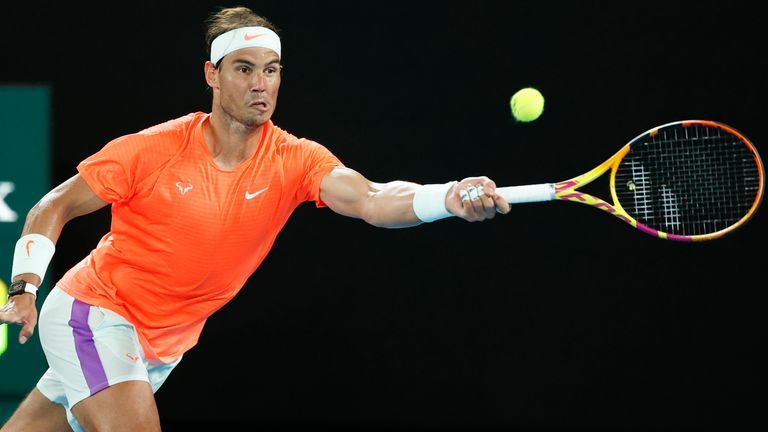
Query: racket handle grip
{"points": [[529, 193]]}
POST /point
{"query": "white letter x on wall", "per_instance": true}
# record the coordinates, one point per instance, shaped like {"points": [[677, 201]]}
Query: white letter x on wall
{"points": [[6, 214]]}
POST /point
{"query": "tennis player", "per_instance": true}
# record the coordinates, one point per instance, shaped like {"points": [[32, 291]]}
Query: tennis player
{"points": [[196, 205]]}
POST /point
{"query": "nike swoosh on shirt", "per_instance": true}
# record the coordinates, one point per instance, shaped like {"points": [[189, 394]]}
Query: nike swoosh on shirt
{"points": [[255, 194], [249, 37]]}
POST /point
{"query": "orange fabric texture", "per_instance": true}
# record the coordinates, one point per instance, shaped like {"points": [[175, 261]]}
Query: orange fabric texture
{"points": [[185, 234]]}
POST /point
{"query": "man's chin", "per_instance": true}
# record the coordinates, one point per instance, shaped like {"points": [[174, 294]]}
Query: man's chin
{"points": [[256, 121]]}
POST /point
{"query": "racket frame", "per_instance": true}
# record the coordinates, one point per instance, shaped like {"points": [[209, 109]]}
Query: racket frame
{"points": [[568, 190]]}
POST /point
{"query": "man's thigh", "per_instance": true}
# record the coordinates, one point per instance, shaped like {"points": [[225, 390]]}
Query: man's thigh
{"points": [[127, 406], [37, 414]]}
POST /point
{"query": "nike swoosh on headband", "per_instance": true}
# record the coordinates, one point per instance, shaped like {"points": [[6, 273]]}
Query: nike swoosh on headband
{"points": [[249, 37]]}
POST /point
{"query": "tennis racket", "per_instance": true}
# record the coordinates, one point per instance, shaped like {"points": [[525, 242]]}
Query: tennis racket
{"points": [[686, 181]]}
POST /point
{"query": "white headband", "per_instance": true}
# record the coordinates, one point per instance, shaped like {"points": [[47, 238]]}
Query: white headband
{"points": [[244, 37]]}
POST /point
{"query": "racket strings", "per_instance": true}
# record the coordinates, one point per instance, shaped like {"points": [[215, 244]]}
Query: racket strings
{"points": [[688, 180]]}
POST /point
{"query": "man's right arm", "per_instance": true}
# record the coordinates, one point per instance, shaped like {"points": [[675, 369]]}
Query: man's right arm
{"points": [[67, 201], [43, 225]]}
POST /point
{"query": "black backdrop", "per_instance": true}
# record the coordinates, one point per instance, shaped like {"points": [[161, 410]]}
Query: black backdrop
{"points": [[556, 316]]}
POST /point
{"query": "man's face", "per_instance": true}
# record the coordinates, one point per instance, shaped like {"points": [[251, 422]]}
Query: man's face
{"points": [[249, 80]]}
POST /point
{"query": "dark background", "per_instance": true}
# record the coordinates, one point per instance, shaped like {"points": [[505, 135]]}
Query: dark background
{"points": [[554, 317]]}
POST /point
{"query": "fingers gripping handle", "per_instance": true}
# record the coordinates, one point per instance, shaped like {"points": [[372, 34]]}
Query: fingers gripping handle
{"points": [[529, 193]]}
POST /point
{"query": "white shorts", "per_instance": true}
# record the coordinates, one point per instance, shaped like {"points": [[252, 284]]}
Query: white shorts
{"points": [[88, 349]]}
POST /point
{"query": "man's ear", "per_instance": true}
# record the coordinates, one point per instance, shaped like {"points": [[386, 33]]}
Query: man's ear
{"points": [[211, 75]]}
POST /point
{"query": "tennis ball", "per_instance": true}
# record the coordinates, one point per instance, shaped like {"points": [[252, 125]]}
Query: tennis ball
{"points": [[527, 104]]}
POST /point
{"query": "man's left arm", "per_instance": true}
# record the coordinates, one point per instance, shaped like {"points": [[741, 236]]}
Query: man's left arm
{"points": [[399, 204]]}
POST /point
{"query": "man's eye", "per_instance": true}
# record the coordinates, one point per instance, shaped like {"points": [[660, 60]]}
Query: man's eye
{"points": [[243, 69]]}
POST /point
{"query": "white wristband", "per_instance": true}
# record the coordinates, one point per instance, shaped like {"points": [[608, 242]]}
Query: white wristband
{"points": [[429, 202], [29, 288], [33, 253]]}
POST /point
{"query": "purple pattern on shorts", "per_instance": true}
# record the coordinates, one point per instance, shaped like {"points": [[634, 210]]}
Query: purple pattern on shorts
{"points": [[90, 362]]}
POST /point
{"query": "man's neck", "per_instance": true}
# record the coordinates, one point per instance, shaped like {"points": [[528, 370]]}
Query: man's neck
{"points": [[230, 142]]}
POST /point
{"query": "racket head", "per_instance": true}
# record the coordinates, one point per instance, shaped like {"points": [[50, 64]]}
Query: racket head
{"points": [[690, 180]]}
